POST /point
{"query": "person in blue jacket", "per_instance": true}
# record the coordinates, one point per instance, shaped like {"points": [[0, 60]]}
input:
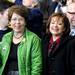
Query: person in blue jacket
{"points": [[35, 21]]}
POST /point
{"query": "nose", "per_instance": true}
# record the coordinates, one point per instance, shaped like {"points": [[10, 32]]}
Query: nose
{"points": [[55, 24], [17, 21]]}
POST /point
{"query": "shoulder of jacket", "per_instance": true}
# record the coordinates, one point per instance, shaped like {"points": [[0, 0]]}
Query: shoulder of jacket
{"points": [[8, 34], [30, 34]]}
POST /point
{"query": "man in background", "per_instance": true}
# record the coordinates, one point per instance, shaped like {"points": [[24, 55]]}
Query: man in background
{"points": [[71, 16], [4, 7]]}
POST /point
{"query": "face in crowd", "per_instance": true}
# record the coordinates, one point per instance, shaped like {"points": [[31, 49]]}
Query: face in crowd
{"points": [[17, 16], [71, 14], [58, 25], [17, 23]]}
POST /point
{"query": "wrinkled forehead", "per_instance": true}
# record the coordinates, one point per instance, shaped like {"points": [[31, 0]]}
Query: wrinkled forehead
{"points": [[71, 7]]}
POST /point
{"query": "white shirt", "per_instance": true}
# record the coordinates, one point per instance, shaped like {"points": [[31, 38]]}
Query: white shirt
{"points": [[72, 33]]}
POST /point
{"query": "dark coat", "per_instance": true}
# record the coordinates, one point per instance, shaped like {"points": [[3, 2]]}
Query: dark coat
{"points": [[35, 21], [2, 32], [62, 60], [52, 7]]}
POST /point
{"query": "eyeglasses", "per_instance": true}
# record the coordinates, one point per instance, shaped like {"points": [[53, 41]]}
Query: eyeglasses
{"points": [[71, 13]]}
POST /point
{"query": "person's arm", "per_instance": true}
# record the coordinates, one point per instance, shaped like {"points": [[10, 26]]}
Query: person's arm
{"points": [[0, 55], [36, 57], [71, 57], [0, 60]]}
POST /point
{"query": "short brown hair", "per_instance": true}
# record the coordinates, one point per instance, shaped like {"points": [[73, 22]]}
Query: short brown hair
{"points": [[20, 10], [65, 22]]}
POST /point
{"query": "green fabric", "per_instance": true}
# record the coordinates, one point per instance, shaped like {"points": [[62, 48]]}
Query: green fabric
{"points": [[29, 53], [11, 0]]}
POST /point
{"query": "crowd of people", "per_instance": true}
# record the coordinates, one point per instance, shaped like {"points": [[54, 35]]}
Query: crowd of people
{"points": [[27, 47]]}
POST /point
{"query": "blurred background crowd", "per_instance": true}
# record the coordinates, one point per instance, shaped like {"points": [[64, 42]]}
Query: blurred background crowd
{"points": [[40, 10]]}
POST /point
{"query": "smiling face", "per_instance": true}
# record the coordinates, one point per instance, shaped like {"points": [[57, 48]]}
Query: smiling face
{"points": [[56, 26], [17, 23]]}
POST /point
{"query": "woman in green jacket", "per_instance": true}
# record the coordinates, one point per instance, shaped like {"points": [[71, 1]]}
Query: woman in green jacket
{"points": [[21, 48]]}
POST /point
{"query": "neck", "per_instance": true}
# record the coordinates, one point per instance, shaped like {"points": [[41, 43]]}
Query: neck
{"points": [[55, 38], [18, 35]]}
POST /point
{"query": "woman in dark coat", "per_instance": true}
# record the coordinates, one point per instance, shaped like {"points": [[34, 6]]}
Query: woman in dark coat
{"points": [[58, 47]]}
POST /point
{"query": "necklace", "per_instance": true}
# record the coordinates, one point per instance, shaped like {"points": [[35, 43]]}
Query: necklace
{"points": [[18, 37]]}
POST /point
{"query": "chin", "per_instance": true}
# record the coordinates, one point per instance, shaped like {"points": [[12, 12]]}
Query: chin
{"points": [[57, 34]]}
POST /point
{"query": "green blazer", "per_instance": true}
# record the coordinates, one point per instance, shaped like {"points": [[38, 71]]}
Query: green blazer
{"points": [[29, 53]]}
